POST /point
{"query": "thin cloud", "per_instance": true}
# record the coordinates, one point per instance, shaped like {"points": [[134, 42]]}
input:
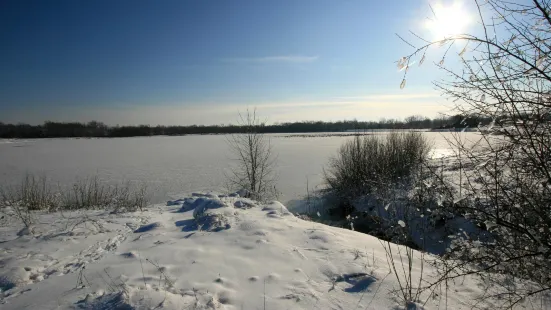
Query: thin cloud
{"points": [[385, 97], [225, 111], [274, 59]]}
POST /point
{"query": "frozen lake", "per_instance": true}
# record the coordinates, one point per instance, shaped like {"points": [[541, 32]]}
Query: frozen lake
{"points": [[174, 165]]}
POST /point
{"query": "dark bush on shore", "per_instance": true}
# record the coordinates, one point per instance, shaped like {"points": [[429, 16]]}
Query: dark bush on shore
{"points": [[367, 163]]}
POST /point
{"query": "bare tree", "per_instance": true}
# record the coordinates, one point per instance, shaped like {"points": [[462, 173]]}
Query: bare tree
{"points": [[504, 74], [255, 161]]}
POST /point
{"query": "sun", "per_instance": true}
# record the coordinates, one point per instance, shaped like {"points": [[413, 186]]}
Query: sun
{"points": [[448, 20]]}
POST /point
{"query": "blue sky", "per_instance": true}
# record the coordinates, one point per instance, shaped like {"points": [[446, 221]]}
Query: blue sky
{"points": [[199, 62]]}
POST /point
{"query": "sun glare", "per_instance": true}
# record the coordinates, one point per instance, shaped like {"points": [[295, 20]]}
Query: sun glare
{"points": [[448, 20]]}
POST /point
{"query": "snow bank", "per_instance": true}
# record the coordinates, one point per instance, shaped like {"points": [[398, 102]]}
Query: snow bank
{"points": [[199, 252]]}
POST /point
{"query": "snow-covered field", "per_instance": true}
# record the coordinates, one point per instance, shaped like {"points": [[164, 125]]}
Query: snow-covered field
{"points": [[173, 165], [203, 252]]}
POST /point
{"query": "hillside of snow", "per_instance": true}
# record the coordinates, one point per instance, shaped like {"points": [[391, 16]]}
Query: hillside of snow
{"points": [[202, 252]]}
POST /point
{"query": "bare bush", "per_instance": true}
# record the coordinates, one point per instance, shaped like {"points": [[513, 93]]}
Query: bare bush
{"points": [[505, 75], [91, 193], [88, 193], [408, 271], [255, 161], [33, 193], [370, 162], [133, 200]]}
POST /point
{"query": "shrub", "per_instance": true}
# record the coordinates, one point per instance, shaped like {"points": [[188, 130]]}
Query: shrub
{"points": [[91, 193], [370, 162], [254, 169], [88, 193], [34, 193]]}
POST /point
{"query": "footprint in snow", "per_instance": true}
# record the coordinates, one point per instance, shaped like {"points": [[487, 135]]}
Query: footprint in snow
{"points": [[273, 277], [148, 227]]}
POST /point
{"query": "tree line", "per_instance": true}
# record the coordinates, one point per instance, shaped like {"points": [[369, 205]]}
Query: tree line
{"points": [[98, 130]]}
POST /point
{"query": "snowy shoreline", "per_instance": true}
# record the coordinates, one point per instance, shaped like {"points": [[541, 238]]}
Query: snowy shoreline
{"points": [[203, 251]]}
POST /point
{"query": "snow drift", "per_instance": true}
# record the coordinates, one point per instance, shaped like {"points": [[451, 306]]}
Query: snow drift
{"points": [[199, 252]]}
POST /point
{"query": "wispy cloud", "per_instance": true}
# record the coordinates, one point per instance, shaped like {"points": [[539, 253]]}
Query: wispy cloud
{"points": [[384, 97], [374, 107], [273, 59]]}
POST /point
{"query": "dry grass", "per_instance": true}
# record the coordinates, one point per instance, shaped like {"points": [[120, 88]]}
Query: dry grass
{"points": [[35, 193]]}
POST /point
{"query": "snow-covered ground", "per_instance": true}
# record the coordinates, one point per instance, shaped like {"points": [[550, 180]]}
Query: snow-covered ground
{"points": [[202, 252], [172, 165]]}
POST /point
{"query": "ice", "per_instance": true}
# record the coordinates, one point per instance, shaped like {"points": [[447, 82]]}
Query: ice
{"points": [[175, 165]]}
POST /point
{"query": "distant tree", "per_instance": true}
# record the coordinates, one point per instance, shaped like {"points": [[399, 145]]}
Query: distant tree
{"points": [[97, 129]]}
